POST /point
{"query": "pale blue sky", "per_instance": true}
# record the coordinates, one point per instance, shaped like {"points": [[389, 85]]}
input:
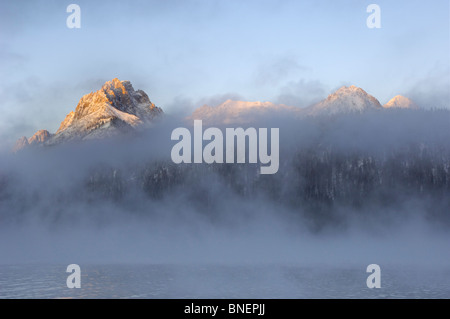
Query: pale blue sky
{"points": [[186, 53]]}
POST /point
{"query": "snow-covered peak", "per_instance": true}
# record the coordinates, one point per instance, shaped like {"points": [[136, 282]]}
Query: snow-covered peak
{"points": [[120, 95], [115, 108], [346, 100], [401, 102]]}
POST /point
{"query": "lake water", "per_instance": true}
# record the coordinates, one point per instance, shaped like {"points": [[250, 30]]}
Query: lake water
{"points": [[220, 281]]}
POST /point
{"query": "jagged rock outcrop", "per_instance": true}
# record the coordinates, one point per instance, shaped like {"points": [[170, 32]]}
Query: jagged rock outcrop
{"points": [[114, 109], [39, 137]]}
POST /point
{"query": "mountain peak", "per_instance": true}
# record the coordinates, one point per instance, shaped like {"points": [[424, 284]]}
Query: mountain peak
{"points": [[114, 83], [39, 137], [346, 99], [116, 107], [116, 86], [349, 90], [400, 101]]}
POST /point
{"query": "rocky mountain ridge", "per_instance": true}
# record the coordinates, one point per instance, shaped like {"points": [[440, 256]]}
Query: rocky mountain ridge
{"points": [[113, 109], [117, 108]]}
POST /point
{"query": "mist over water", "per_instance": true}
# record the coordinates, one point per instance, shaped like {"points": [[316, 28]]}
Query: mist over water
{"points": [[123, 200], [351, 190]]}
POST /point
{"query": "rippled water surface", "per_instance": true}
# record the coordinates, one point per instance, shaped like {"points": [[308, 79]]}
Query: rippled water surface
{"points": [[212, 281]]}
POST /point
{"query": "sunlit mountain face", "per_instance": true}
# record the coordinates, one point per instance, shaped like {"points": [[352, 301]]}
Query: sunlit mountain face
{"points": [[399, 101], [115, 108]]}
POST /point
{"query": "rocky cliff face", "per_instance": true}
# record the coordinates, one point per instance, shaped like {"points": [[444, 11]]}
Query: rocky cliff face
{"points": [[113, 109], [40, 136]]}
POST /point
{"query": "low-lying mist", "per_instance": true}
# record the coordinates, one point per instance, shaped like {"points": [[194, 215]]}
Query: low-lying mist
{"points": [[355, 188]]}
